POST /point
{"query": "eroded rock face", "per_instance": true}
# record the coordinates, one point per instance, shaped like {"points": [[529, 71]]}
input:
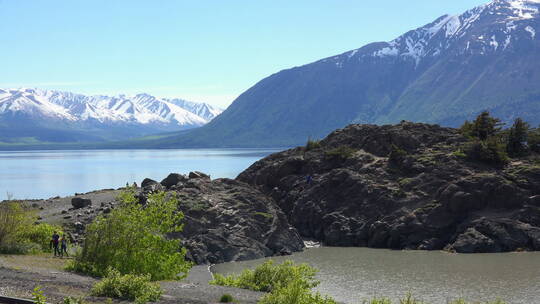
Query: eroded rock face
{"points": [[227, 220], [429, 198]]}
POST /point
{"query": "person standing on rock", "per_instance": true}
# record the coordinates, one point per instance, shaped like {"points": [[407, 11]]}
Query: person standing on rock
{"points": [[63, 246], [55, 241]]}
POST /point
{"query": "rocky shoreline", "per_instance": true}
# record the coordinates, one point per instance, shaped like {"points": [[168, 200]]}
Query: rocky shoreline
{"points": [[345, 191]]}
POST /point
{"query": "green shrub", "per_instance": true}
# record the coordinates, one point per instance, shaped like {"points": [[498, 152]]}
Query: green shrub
{"points": [[132, 287], [73, 300], [461, 301], [312, 144], [490, 151], [294, 293], [226, 298], [39, 234], [13, 217], [267, 276], [38, 297], [342, 153], [19, 234], [132, 239]]}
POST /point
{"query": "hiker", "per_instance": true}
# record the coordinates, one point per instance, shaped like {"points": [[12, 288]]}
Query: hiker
{"points": [[309, 179], [55, 240], [63, 246]]}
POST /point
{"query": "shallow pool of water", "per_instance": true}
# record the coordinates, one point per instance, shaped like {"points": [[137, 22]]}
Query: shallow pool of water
{"points": [[351, 275]]}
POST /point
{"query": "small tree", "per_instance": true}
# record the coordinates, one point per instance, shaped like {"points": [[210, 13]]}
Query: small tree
{"points": [[485, 126], [467, 129], [517, 138], [132, 239]]}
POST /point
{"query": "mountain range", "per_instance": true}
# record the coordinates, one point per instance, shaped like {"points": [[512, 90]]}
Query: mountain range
{"points": [[445, 72], [34, 115]]}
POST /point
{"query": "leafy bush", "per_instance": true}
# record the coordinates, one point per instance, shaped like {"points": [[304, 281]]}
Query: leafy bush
{"points": [[39, 234], [461, 301], [226, 298], [342, 153], [38, 297], [267, 276], [73, 300], [132, 287], [132, 239], [490, 151], [19, 234], [378, 301], [312, 144], [12, 218], [294, 293]]}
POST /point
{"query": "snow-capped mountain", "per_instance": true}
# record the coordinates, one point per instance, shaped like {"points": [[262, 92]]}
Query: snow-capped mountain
{"points": [[445, 72], [143, 113], [488, 28]]}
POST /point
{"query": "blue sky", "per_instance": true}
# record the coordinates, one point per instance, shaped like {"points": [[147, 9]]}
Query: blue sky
{"points": [[199, 50]]}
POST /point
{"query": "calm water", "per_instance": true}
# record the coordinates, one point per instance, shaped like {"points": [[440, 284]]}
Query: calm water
{"points": [[43, 174], [353, 274]]}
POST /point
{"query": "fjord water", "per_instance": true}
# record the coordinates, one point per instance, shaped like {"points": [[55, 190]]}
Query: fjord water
{"points": [[43, 174], [351, 275]]}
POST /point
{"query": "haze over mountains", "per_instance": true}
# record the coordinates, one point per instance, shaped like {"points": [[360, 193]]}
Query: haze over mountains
{"points": [[33, 115], [487, 58]]}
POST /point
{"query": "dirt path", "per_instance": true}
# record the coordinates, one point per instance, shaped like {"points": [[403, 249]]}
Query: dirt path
{"points": [[19, 275]]}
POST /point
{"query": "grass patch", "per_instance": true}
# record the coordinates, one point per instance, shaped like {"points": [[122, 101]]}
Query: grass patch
{"points": [[295, 293], [226, 298], [264, 214], [312, 144], [268, 276], [131, 287], [197, 205], [342, 152]]}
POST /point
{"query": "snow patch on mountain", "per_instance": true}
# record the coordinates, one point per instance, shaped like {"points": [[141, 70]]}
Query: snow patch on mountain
{"points": [[438, 36], [531, 31], [140, 109]]}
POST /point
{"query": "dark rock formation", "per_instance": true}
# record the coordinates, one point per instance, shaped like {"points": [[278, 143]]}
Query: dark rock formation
{"points": [[227, 220], [173, 179], [197, 174], [79, 202], [348, 192]]}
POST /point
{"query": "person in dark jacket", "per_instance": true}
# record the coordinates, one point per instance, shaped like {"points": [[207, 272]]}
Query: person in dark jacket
{"points": [[55, 242], [63, 246]]}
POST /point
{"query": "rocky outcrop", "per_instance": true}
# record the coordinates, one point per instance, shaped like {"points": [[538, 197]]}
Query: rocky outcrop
{"points": [[347, 191], [227, 220], [79, 202]]}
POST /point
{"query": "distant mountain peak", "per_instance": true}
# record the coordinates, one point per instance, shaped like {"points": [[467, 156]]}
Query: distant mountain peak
{"points": [[446, 31], [142, 109]]}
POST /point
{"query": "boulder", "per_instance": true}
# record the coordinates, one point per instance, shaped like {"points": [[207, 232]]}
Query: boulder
{"points": [[79, 202], [173, 179], [197, 174], [150, 185]]}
